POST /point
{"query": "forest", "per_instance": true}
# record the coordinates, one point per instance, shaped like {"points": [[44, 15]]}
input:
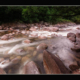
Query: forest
{"points": [[31, 14]]}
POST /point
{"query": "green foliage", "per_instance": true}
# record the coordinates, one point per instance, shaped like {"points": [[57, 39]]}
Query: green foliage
{"points": [[30, 14], [76, 19]]}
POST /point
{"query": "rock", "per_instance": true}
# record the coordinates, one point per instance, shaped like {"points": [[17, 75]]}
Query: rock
{"points": [[4, 37], [42, 37], [77, 71], [34, 53], [5, 61], [27, 41], [31, 68], [53, 29], [73, 67], [78, 62], [53, 65], [40, 57], [72, 39], [78, 56], [71, 35], [30, 48], [33, 35], [78, 35], [76, 48], [0, 27], [50, 65], [42, 46], [9, 71], [16, 60], [2, 71], [20, 51], [32, 29], [25, 58]]}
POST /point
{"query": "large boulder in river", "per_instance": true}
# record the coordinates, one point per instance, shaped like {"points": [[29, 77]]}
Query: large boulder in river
{"points": [[2, 71], [42, 46], [72, 37], [31, 68], [52, 64], [78, 35]]}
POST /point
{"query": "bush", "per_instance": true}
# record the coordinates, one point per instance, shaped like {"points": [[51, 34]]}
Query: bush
{"points": [[76, 19]]}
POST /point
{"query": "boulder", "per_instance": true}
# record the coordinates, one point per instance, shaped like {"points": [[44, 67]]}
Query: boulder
{"points": [[78, 35], [2, 71], [77, 71], [71, 35], [5, 37], [27, 41], [72, 39], [42, 46], [0, 27], [73, 67], [53, 29], [76, 48], [16, 60], [32, 29], [41, 37], [52, 64], [31, 68]]}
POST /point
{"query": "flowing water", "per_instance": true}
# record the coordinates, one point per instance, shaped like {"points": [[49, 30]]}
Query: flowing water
{"points": [[10, 50]]}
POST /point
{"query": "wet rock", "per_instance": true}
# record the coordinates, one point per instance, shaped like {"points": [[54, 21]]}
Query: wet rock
{"points": [[2, 71], [53, 65], [25, 58], [78, 40], [71, 35], [31, 68], [32, 29], [78, 62], [73, 67], [33, 35], [9, 71], [78, 35], [16, 60], [78, 56], [72, 39], [34, 53], [30, 48], [77, 71], [0, 27], [42, 37], [5, 61], [20, 51], [76, 48], [40, 57], [42, 46], [27, 41], [4, 37], [50, 65], [53, 29]]}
